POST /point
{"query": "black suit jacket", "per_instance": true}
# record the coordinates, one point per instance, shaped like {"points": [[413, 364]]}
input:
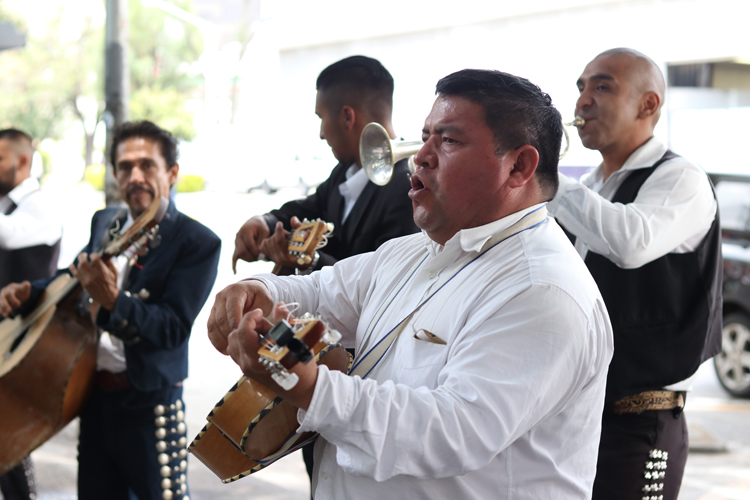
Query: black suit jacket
{"points": [[177, 275], [379, 214]]}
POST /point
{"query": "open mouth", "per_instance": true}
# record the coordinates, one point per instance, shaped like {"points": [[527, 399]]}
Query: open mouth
{"points": [[416, 183]]}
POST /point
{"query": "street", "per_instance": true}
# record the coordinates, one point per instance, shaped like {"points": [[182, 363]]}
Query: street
{"points": [[718, 466]]}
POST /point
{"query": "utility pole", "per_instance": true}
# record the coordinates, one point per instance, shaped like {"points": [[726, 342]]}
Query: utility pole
{"points": [[117, 84]]}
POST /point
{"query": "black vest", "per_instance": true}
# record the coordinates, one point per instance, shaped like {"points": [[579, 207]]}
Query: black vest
{"points": [[666, 315], [28, 264]]}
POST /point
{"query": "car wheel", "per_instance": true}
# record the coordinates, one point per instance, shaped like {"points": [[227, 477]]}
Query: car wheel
{"points": [[732, 364]]}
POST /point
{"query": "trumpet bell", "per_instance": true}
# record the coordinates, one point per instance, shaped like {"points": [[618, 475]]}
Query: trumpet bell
{"points": [[379, 154]]}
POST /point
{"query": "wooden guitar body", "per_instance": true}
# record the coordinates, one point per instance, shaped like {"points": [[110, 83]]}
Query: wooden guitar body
{"points": [[48, 357], [251, 428], [51, 378]]}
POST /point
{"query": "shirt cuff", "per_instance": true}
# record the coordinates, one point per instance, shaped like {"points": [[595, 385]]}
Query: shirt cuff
{"points": [[309, 419]]}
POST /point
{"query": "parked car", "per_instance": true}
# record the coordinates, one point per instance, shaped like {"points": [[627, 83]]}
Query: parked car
{"points": [[732, 364]]}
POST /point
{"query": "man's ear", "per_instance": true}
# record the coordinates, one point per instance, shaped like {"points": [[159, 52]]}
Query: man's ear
{"points": [[173, 172], [348, 117], [525, 160], [24, 162], [650, 102]]}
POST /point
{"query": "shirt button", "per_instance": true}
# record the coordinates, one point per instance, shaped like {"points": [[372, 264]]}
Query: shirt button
{"points": [[433, 274], [325, 475]]}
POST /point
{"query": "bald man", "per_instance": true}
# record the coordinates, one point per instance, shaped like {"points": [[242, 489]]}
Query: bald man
{"points": [[647, 224]]}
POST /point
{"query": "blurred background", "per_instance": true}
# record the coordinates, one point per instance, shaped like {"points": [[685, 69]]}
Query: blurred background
{"points": [[234, 80]]}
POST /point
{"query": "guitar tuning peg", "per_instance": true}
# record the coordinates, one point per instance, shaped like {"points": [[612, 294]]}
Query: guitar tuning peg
{"points": [[329, 227]]}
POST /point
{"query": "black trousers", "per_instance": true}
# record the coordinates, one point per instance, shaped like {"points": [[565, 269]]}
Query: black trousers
{"points": [[19, 483], [641, 456], [127, 452]]}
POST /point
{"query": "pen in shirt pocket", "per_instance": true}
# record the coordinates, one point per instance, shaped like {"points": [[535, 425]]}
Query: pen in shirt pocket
{"points": [[427, 336]]}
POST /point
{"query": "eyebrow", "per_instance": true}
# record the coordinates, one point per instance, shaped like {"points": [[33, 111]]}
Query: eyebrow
{"points": [[441, 129], [598, 76]]}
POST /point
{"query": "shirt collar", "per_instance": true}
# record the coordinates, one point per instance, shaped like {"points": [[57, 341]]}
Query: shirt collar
{"points": [[356, 180], [643, 157], [473, 239], [27, 186]]}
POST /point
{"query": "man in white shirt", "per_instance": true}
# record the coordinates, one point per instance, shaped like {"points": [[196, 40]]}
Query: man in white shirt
{"points": [[646, 222], [494, 379], [30, 229], [30, 233]]}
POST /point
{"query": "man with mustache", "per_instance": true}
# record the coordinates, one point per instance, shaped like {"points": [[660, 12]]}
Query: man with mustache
{"points": [[495, 340], [132, 439], [646, 222], [30, 235]]}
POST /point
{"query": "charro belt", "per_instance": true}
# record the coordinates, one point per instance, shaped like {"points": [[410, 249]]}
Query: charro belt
{"points": [[649, 400]]}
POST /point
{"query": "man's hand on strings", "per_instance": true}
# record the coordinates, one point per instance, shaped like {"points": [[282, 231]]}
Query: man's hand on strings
{"points": [[99, 278], [12, 296], [248, 240], [243, 346], [276, 246], [230, 306]]}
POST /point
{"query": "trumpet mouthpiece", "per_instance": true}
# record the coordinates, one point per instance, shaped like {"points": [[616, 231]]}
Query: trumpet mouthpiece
{"points": [[577, 122]]}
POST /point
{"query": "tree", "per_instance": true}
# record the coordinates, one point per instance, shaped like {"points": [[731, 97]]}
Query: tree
{"points": [[58, 78]]}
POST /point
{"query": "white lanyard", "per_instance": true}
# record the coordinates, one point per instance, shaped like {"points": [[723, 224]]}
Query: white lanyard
{"points": [[364, 364]]}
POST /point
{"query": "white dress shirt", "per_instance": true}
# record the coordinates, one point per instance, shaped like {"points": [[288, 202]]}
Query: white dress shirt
{"points": [[356, 181], [672, 212], [111, 350], [34, 222], [509, 407]]}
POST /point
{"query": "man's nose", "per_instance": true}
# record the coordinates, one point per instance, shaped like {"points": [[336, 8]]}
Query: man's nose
{"points": [[425, 157], [136, 175], [584, 100]]}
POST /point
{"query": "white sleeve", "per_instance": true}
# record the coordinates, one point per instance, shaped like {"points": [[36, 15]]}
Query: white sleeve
{"points": [[675, 203], [509, 369], [33, 223]]}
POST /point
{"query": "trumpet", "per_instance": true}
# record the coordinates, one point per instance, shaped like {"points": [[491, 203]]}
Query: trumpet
{"points": [[379, 154], [577, 122]]}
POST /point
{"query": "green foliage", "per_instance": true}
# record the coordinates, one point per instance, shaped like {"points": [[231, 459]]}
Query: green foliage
{"points": [[190, 183], [94, 175], [43, 83], [41, 80], [164, 106], [162, 49]]}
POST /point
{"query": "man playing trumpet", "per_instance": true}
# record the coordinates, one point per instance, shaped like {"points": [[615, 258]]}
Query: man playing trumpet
{"points": [[647, 224]]}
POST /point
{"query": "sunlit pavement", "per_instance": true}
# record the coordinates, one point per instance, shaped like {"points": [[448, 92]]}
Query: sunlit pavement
{"points": [[718, 467]]}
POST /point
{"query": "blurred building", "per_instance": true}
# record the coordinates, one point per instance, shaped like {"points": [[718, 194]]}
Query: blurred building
{"points": [[700, 44]]}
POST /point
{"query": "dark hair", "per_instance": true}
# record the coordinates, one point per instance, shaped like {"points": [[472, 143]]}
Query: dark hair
{"points": [[357, 81], [15, 135], [517, 112], [146, 130]]}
